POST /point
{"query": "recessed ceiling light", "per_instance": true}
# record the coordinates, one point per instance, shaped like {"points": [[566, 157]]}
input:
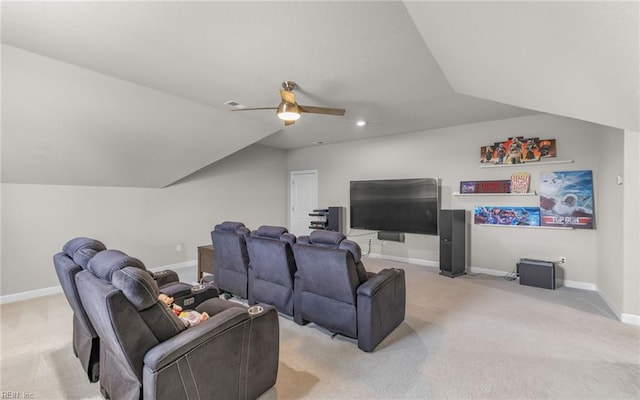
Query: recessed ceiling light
{"points": [[361, 123], [318, 142]]}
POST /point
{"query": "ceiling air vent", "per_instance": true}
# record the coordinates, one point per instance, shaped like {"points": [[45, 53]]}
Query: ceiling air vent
{"points": [[234, 104]]}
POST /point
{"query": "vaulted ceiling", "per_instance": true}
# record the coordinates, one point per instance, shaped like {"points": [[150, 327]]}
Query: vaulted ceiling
{"points": [[133, 93]]}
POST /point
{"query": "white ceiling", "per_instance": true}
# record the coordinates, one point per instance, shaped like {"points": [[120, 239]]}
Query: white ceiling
{"points": [[132, 93]]}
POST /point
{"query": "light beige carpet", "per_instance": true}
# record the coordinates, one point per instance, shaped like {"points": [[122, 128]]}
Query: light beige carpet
{"points": [[469, 337]]}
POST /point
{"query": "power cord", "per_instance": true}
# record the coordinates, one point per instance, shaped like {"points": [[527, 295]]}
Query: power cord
{"points": [[369, 250], [511, 276]]}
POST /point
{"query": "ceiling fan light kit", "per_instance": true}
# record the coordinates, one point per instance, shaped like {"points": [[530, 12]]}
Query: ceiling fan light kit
{"points": [[289, 110]]}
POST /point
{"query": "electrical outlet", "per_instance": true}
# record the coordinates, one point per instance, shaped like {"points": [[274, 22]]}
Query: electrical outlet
{"points": [[563, 260], [178, 248]]}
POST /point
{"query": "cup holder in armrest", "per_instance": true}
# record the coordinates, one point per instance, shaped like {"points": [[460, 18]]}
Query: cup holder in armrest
{"points": [[253, 310], [160, 273], [198, 287]]}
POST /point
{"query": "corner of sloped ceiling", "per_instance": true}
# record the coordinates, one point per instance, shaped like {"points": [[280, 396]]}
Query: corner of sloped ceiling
{"points": [[575, 59], [67, 125], [248, 157]]}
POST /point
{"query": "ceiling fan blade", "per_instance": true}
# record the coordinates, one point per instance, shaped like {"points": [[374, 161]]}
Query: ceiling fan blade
{"points": [[256, 108], [287, 96], [290, 122], [321, 110]]}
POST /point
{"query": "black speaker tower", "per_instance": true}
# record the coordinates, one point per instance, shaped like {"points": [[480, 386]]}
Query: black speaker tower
{"points": [[453, 252]]}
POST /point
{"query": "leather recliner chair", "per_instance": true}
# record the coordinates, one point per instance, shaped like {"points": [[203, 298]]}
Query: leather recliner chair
{"points": [[334, 290], [147, 352], [231, 258], [74, 257], [272, 267]]}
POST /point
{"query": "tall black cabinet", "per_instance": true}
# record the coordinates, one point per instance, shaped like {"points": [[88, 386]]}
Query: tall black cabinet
{"points": [[453, 247]]}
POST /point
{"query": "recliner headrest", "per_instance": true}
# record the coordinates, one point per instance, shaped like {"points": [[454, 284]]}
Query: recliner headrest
{"points": [[228, 226], [289, 238], [83, 256], [270, 232], [303, 239], [106, 262], [233, 227], [137, 285], [326, 238], [80, 243], [353, 248]]}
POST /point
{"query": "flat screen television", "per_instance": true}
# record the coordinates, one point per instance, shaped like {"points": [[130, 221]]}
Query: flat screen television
{"points": [[395, 205]]}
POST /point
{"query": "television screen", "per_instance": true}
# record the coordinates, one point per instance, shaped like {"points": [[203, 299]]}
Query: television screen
{"points": [[395, 205]]}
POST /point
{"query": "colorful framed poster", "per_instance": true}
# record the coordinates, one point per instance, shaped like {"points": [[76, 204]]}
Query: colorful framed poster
{"points": [[518, 150], [524, 216], [503, 186], [566, 199], [520, 182]]}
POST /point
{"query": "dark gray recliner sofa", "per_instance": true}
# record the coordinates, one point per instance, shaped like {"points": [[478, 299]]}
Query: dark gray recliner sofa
{"points": [[231, 259], [147, 352], [74, 257], [272, 267], [334, 290]]}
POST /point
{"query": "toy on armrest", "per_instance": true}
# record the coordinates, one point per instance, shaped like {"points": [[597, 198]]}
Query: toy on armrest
{"points": [[188, 317]]}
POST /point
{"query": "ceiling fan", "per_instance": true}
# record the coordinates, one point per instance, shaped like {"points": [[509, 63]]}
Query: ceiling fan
{"points": [[289, 111]]}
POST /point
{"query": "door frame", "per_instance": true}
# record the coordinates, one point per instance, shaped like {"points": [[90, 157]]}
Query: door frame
{"points": [[291, 178]]}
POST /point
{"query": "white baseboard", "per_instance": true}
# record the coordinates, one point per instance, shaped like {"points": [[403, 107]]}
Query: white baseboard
{"points": [[559, 282], [33, 294], [415, 261], [492, 272], [630, 319], [180, 265], [30, 294], [623, 317], [576, 285]]}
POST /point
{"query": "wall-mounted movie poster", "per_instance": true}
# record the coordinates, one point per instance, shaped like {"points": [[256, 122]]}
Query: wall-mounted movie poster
{"points": [[501, 186], [520, 182], [526, 216], [518, 150], [566, 199]]}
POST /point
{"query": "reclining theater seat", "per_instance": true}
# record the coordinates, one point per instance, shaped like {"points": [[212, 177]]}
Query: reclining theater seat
{"points": [[74, 257], [272, 267], [147, 352], [334, 291], [231, 258]]}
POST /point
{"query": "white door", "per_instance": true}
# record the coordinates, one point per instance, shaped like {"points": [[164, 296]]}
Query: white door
{"points": [[304, 199]]}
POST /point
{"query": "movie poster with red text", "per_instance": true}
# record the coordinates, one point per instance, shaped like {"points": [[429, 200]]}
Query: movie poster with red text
{"points": [[566, 199]]}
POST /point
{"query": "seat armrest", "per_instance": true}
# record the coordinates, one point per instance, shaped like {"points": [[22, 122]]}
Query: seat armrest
{"points": [[381, 307], [232, 355], [377, 281], [170, 350], [165, 277]]}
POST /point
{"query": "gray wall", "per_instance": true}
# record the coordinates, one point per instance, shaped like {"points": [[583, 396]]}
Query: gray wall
{"points": [[631, 273], [452, 154], [249, 186]]}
